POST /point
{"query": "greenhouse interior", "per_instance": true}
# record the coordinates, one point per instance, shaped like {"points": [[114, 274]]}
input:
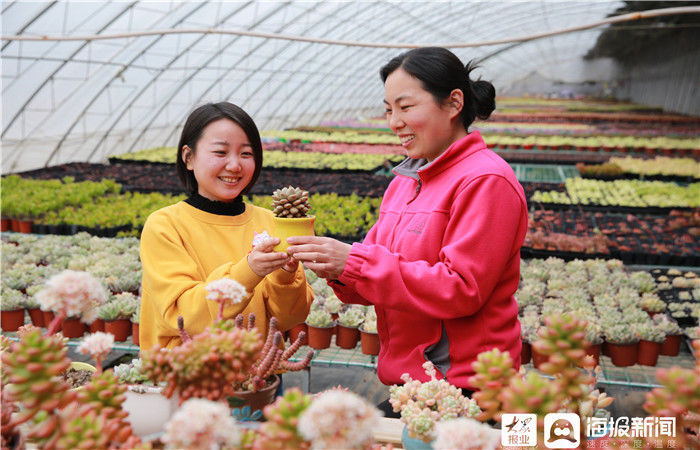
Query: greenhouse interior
{"points": [[350, 224]]}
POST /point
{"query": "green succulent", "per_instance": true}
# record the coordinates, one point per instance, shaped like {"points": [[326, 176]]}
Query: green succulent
{"points": [[351, 317], [319, 318]]}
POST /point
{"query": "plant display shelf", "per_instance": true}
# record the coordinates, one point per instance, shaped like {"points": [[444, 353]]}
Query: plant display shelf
{"points": [[545, 173]]}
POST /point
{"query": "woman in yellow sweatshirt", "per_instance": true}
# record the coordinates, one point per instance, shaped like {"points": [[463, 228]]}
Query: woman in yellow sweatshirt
{"points": [[209, 236]]}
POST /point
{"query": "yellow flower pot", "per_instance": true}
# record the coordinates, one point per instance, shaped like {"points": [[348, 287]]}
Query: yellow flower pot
{"points": [[286, 227]]}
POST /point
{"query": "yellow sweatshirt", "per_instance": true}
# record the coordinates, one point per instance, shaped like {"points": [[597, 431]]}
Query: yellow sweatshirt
{"points": [[184, 248]]}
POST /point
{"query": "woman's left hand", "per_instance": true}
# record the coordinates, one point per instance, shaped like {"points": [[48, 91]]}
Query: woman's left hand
{"points": [[325, 256]]}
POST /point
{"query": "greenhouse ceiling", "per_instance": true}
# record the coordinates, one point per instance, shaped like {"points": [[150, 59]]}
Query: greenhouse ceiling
{"points": [[132, 70]]}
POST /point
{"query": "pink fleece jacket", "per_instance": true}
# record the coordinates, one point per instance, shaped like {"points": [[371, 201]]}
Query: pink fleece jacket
{"points": [[442, 263]]}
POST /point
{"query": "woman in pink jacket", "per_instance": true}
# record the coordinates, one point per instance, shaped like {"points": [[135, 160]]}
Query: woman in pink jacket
{"points": [[442, 263]]}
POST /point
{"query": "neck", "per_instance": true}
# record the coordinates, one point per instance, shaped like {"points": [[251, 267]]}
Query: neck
{"points": [[232, 208]]}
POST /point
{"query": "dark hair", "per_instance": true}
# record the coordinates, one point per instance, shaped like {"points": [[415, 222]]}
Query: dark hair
{"points": [[192, 131], [440, 72]]}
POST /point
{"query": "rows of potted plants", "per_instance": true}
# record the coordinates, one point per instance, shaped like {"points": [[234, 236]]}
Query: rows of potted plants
{"points": [[592, 117], [642, 239], [622, 193], [658, 168], [622, 309]]}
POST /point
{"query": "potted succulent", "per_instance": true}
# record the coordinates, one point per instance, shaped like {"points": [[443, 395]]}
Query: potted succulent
{"points": [[148, 409], [369, 339], [652, 304], [622, 343], [135, 319], [289, 207], [32, 306], [321, 327], [348, 322], [422, 405], [672, 344], [279, 430], [12, 306], [242, 364], [651, 337], [117, 315], [594, 337], [201, 423]]}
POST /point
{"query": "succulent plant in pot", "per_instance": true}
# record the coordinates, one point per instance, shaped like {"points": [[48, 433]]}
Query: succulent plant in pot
{"points": [[117, 315], [280, 429], [348, 323], [369, 338], [12, 306], [651, 337], [674, 334], [33, 307], [652, 304], [622, 342], [422, 405], [321, 327], [289, 207]]}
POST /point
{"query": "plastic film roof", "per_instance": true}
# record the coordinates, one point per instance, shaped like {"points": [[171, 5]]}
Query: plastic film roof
{"points": [[83, 100]]}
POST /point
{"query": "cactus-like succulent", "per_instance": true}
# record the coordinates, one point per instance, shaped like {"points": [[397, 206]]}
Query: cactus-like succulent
{"points": [[122, 306], [652, 303], [290, 202], [319, 318], [130, 373], [12, 299], [621, 333], [493, 370], [422, 405], [202, 423], [351, 317], [333, 304], [105, 395], [280, 429], [531, 393], [463, 434], [82, 426]]}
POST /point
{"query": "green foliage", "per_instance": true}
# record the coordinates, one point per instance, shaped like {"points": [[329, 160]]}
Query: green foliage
{"points": [[319, 318]]}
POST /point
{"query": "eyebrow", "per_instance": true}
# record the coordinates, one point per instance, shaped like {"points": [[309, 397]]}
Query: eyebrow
{"points": [[398, 99]]}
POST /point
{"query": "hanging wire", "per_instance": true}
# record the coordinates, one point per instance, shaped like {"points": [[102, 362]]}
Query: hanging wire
{"points": [[291, 37]]}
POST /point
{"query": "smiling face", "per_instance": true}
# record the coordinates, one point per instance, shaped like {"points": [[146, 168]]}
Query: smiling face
{"points": [[425, 127], [223, 162]]}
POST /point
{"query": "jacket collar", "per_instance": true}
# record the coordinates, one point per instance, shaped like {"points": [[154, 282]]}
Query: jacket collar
{"points": [[460, 149]]}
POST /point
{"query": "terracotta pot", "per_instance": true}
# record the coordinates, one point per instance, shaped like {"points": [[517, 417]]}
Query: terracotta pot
{"points": [[594, 351], [48, 318], [369, 342], [25, 226], [347, 337], [623, 355], [120, 328], [72, 327], [538, 358], [4, 224], [12, 320], [14, 225], [525, 353], [259, 399], [97, 325], [294, 333], [286, 227], [604, 349], [135, 333], [320, 338], [671, 346], [648, 353], [37, 316]]}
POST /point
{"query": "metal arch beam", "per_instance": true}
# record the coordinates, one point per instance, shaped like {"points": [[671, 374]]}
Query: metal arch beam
{"points": [[31, 21], [116, 75], [349, 53], [258, 67], [165, 103], [69, 59]]}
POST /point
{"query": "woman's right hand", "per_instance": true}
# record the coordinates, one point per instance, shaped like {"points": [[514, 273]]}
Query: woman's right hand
{"points": [[262, 260]]}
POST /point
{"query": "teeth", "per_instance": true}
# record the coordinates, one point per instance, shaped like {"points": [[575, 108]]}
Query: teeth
{"points": [[405, 139], [228, 179]]}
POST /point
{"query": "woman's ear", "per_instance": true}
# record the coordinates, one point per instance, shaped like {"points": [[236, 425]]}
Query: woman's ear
{"points": [[187, 157], [456, 101]]}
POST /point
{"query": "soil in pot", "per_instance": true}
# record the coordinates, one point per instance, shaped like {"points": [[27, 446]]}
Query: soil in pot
{"points": [[78, 374]]}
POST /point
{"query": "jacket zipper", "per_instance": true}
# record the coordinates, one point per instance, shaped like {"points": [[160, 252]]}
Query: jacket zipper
{"points": [[420, 183]]}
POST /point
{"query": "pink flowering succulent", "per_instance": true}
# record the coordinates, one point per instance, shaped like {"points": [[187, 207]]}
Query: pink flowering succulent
{"points": [[422, 405], [201, 423], [97, 346], [465, 434], [225, 291], [71, 294], [338, 419]]}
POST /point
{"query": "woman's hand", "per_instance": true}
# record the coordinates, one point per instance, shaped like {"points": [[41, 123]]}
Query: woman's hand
{"points": [[326, 257], [262, 260]]}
